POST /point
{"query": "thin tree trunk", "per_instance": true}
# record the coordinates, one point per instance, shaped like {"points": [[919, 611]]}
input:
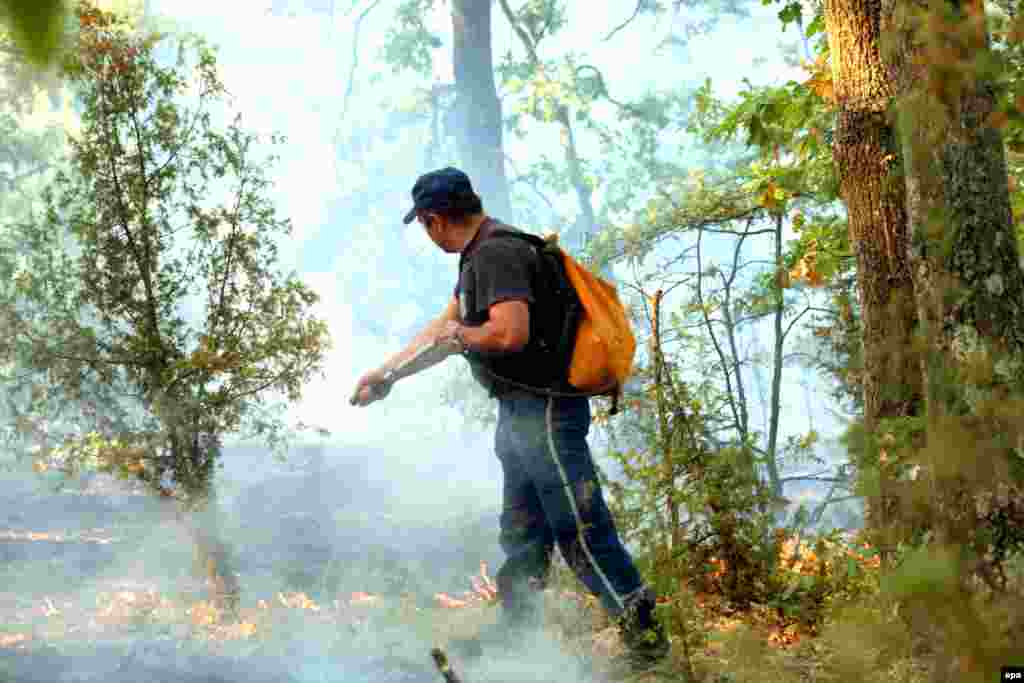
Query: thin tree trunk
{"points": [[771, 461], [193, 458], [213, 556], [664, 429], [866, 164], [479, 131], [586, 223]]}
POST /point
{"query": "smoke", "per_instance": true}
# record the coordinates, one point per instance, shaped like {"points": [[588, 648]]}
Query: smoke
{"points": [[100, 585], [400, 502]]}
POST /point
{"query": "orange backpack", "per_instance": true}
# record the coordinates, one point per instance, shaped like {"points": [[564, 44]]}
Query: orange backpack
{"points": [[604, 345], [602, 356]]}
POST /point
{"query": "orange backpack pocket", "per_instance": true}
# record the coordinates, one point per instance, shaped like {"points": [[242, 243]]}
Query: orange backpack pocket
{"points": [[602, 357]]}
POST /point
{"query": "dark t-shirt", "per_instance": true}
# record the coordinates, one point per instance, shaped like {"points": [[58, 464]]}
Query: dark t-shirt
{"points": [[493, 270]]}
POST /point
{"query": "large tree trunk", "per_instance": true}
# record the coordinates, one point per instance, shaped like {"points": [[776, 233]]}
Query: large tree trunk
{"points": [[968, 280], [478, 131], [958, 203], [867, 169]]}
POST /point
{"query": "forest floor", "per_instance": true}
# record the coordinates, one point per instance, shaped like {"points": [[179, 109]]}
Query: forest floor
{"points": [[392, 631], [82, 598]]}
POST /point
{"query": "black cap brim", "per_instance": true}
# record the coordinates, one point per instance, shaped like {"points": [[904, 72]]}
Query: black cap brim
{"points": [[410, 216]]}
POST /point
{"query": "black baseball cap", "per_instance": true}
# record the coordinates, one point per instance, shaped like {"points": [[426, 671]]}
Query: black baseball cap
{"points": [[447, 188]]}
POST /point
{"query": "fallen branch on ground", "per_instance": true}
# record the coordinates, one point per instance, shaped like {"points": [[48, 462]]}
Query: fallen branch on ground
{"points": [[444, 666]]}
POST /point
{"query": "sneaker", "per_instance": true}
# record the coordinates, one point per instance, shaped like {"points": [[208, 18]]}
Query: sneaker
{"points": [[646, 643]]}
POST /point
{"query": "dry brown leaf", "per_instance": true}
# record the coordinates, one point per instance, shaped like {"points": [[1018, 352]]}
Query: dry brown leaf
{"points": [[821, 86], [997, 120], [448, 602]]}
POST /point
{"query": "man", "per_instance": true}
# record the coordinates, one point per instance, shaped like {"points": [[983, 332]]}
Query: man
{"points": [[551, 490]]}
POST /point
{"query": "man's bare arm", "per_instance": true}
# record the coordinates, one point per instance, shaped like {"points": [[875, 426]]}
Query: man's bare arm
{"points": [[426, 336]]}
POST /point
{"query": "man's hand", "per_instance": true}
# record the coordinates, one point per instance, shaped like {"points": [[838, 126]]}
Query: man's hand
{"points": [[449, 337], [371, 387]]}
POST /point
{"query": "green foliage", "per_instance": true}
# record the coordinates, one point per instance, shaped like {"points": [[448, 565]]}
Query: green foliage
{"points": [[706, 458], [782, 122], [37, 27], [158, 205], [409, 44], [541, 18]]}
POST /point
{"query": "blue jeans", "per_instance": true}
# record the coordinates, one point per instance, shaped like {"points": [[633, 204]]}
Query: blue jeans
{"points": [[552, 495]]}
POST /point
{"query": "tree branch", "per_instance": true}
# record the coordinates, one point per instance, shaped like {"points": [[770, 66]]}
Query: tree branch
{"points": [[627, 22], [229, 245], [572, 159], [714, 338], [794, 321], [528, 43], [810, 477], [532, 184], [745, 233], [355, 57], [730, 329], [140, 259]]}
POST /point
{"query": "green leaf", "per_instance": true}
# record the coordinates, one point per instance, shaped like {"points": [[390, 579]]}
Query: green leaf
{"points": [[816, 26], [793, 12]]}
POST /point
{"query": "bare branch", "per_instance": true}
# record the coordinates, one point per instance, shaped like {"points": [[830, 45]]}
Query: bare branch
{"points": [[529, 182], [714, 338], [627, 22], [813, 477], [794, 321], [531, 47], [604, 89], [355, 57], [745, 233]]}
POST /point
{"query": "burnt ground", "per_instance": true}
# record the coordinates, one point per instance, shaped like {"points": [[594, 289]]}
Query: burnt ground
{"points": [[324, 533]]}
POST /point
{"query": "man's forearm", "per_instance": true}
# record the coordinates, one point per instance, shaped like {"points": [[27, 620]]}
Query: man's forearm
{"points": [[427, 335]]}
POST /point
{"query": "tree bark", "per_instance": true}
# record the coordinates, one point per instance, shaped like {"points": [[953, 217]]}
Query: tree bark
{"points": [[866, 161], [192, 465], [668, 445], [968, 281], [957, 187], [198, 456], [478, 131], [213, 557]]}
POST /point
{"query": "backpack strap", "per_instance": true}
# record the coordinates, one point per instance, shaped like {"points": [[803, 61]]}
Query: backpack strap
{"points": [[547, 245], [538, 242]]}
